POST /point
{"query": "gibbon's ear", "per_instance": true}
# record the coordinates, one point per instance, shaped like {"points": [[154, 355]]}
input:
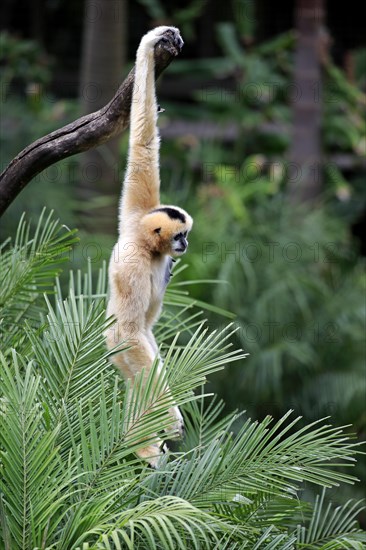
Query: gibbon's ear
{"points": [[157, 230]]}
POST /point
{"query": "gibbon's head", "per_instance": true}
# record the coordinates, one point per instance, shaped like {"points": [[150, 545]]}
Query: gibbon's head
{"points": [[165, 230]]}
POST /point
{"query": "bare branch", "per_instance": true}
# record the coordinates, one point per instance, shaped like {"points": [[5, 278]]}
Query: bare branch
{"points": [[84, 133]]}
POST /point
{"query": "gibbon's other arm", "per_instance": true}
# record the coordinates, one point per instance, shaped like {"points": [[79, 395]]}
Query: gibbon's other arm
{"points": [[141, 188]]}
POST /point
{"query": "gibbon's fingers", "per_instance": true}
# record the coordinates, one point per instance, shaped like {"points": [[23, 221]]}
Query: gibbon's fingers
{"points": [[170, 36], [172, 41]]}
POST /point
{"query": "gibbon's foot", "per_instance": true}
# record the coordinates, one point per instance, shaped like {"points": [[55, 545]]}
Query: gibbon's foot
{"points": [[169, 38], [153, 453], [178, 423]]}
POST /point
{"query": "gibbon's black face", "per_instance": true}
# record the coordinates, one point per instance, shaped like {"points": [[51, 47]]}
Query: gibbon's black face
{"points": [[179, 243]]}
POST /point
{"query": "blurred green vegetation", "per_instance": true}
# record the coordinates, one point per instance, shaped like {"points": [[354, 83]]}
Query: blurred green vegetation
{"points": [[293, 275]]}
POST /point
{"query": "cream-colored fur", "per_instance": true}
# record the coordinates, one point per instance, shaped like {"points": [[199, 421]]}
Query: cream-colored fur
{"points": [[140, 263]]}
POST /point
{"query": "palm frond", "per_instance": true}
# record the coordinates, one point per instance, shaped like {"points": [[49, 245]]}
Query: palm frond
{"points": [[70, 352], [331, 528], [268, 541], [28, 269], [34, 482], [176, 297], [204, 422], [264, 510], [165, 522], [172, 322], [110, 429], [260, 459]]}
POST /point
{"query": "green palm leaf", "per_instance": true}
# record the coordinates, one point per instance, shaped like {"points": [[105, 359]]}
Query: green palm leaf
{"points": [[28, 269], [204, 422], [166, 522], [260, 459], [175, 294], [34, 483], [332, 528]]}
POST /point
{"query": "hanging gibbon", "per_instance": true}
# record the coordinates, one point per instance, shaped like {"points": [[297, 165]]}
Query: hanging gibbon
{"points": [[150, 235]]}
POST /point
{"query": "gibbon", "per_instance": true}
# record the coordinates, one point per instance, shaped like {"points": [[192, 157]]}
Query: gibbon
{"points": [[150, 234]]}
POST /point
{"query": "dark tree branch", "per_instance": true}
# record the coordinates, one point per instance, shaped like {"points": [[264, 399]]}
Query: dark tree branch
{"points": [[82, 134]]}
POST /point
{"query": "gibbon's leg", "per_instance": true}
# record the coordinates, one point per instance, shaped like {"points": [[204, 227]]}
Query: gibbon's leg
{"points": [[151, 452], [177, 424], [150, 336], [131, 361], [141, 349], [143, 353]]}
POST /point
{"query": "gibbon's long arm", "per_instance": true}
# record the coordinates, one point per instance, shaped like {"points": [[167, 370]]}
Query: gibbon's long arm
{"points": [[142, 182], [141, 188]]}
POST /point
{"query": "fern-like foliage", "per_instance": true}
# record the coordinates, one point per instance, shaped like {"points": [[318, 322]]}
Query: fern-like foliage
{"points": [[69, 477], [28, 268], [331, 528]]}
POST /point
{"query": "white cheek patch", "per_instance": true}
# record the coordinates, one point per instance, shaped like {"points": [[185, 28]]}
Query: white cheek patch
{"points": [[179, 247]]}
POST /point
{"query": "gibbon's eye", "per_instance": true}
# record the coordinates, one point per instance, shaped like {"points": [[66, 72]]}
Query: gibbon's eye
{"points": [[157, 230], [177, 237], [185, 234]]}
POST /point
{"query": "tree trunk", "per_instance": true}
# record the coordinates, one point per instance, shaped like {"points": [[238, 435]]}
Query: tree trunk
{"points": [[305, 155], [103, 57]]}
